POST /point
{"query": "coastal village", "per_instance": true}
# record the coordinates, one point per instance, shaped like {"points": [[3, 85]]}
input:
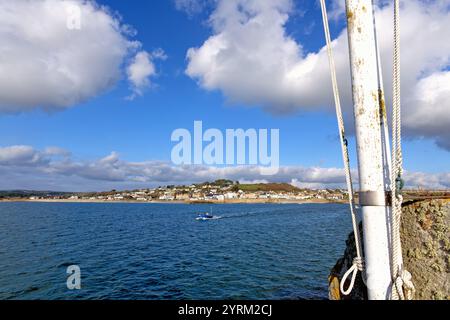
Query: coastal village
{"points": [[220, 191]]}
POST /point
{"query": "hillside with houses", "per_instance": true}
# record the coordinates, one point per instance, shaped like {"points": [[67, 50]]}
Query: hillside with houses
{"points": [[220, 191]]}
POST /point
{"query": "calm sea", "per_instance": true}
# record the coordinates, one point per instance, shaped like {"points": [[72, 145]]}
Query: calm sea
{"points": [[158, 251]]}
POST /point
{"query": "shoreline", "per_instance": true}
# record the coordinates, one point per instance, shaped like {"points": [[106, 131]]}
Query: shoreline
{"points": [[235, 201]]}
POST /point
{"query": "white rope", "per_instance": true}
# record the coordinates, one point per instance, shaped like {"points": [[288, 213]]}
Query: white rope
{"points": [[357, 265], [358, 262], [403, 287], [383, 114]]}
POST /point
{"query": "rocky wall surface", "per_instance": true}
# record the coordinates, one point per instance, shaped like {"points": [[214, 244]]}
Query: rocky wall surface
{"points": [[425, 235]]}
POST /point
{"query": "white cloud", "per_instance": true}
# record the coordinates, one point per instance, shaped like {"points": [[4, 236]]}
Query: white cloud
{"points": [[431, 103], [142, 69], [56, 151], [23, 167], [424, 180], [139, 73], [252, 59], [191, 7], [249, 55], [159, 54], [20, 156], [46, 64]]}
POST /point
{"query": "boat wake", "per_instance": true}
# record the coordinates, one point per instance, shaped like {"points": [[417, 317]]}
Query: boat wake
{"points": [[207, 219], [247, 214]]}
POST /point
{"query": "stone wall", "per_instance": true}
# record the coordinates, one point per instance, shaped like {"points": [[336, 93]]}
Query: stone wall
{"points": [[425, 235]]}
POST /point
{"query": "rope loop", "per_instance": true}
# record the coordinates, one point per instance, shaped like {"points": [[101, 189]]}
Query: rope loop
{"points": [[357, 265]]}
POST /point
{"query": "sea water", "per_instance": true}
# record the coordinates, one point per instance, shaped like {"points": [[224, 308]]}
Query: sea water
{"points": [[160, 251]]}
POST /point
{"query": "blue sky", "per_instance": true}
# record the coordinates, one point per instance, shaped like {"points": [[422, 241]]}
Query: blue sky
{"points": [[139, 130]]}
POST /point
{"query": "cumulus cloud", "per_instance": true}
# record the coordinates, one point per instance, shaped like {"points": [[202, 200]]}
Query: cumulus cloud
{"points": [[249, 56], [24, 167], [139, 72], [141, 69], [431, 102], [424, 180], [21, 156], [251, 59], [55, 54]]}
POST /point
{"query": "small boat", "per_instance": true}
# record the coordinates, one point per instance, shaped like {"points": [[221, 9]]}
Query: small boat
{"points": [[204, 216]]}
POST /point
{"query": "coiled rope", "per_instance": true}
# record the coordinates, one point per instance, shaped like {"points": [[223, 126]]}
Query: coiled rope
{"points": [[358, 262], [403, 287]]}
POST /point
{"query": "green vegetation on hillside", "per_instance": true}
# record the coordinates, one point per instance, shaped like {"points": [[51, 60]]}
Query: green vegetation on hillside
{"points": [[218, 183], [286, 187], [30, 193]]}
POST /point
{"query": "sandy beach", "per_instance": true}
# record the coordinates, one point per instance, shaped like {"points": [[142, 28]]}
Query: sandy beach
{"points": [[232, 201]]}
